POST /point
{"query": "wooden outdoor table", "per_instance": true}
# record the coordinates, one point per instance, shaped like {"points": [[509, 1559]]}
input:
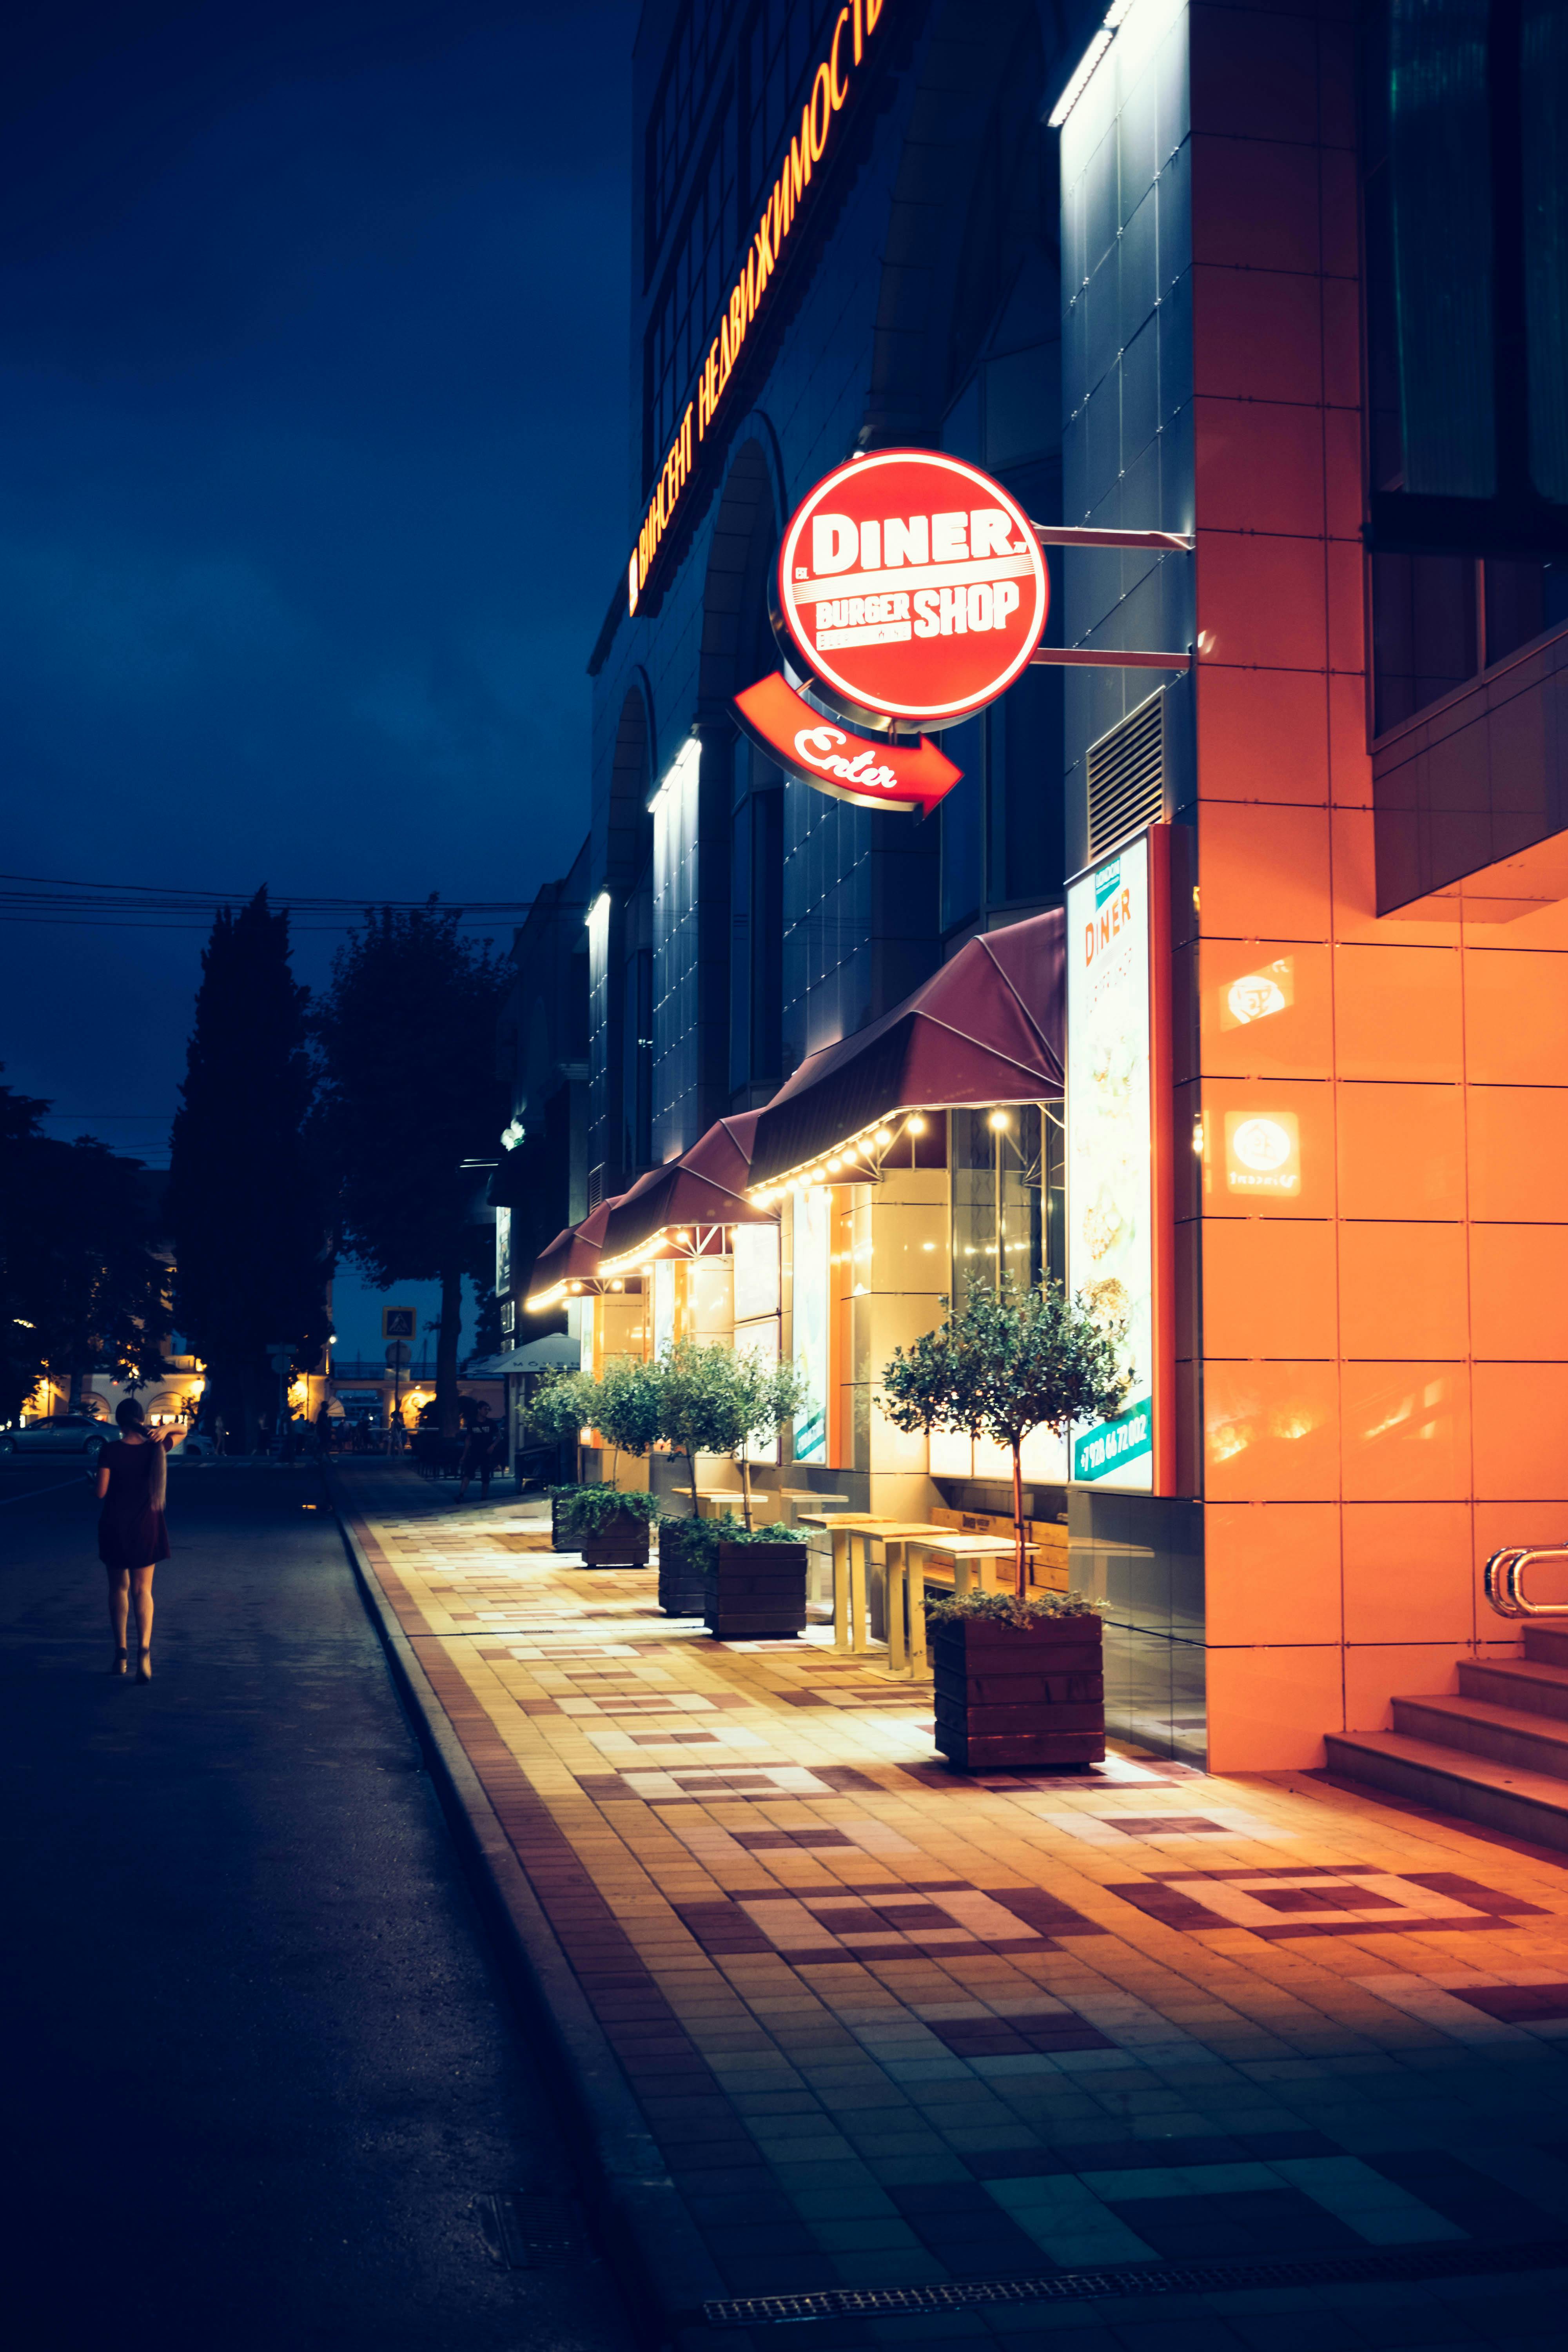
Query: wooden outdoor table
{"points": [[851, 1627], [966, 1552], [730, 1495], [904, 1602], [791, 1497]]}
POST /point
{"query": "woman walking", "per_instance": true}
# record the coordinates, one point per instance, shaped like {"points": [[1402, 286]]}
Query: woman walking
{"points": [[133, 1480]]}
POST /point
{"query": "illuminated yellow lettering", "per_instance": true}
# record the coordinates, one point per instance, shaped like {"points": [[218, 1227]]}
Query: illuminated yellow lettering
{"points": [[830, 91], [820, 89], [838, 92]]}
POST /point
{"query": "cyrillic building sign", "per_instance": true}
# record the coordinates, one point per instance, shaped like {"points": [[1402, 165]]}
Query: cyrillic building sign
{"points": [[833, 88]]}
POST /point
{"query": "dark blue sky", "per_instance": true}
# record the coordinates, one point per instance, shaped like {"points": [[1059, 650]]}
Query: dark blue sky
{"points": [[313, 382]]}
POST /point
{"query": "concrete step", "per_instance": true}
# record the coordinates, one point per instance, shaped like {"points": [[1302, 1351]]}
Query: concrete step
{"points": [[1547, 1644], [1509, 1735], [1524, 1684], [1530, 1805]]}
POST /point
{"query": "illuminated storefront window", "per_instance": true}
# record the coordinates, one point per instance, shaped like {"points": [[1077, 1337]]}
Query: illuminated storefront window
{"points": [[1008, 1195]]}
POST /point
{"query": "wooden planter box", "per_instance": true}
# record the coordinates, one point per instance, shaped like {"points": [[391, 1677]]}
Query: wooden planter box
{"points": [[618, 1542], [1010, 1700], [756, 1592], [682, 1586]]}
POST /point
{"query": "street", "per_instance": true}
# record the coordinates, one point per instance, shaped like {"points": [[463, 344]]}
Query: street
{"points": [[262, 2069]]}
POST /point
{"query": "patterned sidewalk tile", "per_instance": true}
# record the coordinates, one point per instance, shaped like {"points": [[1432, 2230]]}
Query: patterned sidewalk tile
{"points": [[889, 2026]]}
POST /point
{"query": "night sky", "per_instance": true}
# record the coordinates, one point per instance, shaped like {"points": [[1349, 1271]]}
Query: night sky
{"points": [[313, 384]]}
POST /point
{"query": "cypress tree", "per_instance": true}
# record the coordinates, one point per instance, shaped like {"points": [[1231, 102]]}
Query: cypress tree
{"points": [[252, 1249], [407, 1034]]}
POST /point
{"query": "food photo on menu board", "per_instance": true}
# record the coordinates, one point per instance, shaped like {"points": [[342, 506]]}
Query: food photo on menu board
{"points": [[1110, 1167]]}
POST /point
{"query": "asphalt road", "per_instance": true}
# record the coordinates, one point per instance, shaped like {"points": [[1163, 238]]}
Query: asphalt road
{"points": [[260, 2070]]}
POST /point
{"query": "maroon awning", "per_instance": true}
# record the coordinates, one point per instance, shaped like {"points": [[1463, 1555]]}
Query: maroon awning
{"points": [[703, 1188], [573, 1256], [987, 1028]]}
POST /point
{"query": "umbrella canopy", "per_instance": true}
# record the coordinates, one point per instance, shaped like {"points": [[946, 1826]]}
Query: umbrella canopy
{"points": [[987, 1028], [555, 1352]]}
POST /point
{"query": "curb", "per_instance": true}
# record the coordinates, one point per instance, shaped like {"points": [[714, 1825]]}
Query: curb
{"points": [[666, 2271]]}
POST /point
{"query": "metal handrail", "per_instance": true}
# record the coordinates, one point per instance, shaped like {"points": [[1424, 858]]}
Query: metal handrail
{"points": [[1505, 1580]]}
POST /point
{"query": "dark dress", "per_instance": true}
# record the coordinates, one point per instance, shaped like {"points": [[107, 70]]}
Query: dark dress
{"points": [[131, 1532]]}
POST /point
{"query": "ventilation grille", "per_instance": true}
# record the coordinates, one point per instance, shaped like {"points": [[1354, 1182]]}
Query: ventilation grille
{"points": [[1126, 778]]}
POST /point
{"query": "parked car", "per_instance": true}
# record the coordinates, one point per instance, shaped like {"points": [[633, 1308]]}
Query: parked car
{"points": [[63, 1432]]}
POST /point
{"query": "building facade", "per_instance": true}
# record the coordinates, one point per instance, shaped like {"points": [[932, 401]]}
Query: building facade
{"points": [[1285, 282]]}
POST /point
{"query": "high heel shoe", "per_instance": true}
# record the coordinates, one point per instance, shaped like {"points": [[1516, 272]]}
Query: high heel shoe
{"points": [[116, 1661], [145, 1666]]}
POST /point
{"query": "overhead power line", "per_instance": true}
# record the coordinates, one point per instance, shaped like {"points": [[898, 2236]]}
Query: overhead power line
{"points": [[52, 899]]}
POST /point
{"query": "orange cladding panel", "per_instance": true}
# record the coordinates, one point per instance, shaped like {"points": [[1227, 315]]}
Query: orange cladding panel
{"points": [[1268, 1286], [1264, 873], [1402, 1291], [1271, 1432], [1271, 1573], [1518, 1293], [1268, 1709], [1521, 1431], [1518, 1154], [1406, 1433], [1261, 722], [1408, 1575], [1401, 1151], [1397, 1014], [1264, 1013], [1516, 1019]]}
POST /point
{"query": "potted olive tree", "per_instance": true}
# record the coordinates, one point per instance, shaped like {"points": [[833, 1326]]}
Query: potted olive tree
{"points": [[747, 1582], [612, 1528], [609, 1528], [1019, 1677]]}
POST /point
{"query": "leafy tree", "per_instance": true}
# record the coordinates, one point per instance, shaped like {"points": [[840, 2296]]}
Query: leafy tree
{"points": [[81, 1289], [627, 1408], [563, 1407], [246, 1200], [755, 1400], [691, 1393], [407, 1037], [719, 1399], [1005, 1363]]}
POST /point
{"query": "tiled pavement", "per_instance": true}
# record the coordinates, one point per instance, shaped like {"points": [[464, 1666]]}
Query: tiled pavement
{"points": [[889, 2026]]}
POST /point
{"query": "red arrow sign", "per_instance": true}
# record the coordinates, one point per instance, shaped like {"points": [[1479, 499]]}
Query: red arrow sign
{"points": [[874, 774]]}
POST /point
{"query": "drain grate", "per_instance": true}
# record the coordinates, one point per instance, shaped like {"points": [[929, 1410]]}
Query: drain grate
{"points": [[1390, 2264], [529, 2232]]}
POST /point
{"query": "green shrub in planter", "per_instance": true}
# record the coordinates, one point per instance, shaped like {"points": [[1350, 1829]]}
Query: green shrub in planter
{"points": [[1019, 1684], [754, 1580], [609, 1528]]}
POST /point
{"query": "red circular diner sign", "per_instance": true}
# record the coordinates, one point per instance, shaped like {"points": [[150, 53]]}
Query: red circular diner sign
{"points": [[911, 585]]}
